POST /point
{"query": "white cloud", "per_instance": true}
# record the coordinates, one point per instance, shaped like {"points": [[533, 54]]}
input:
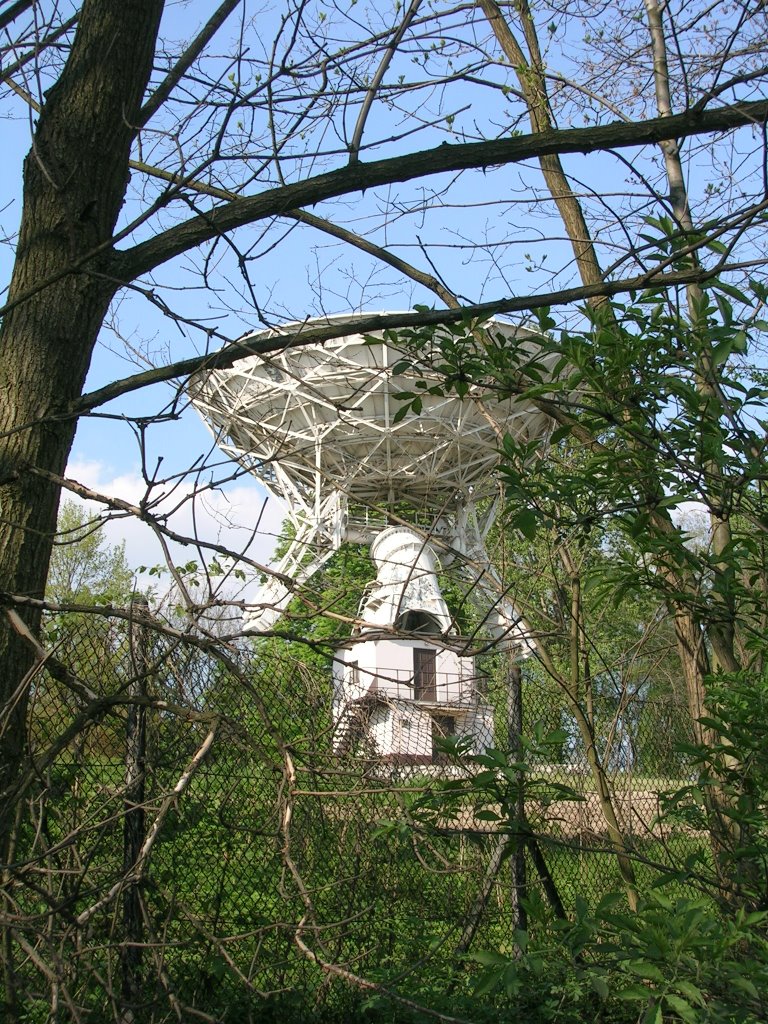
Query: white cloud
{"points": [[227, 517]]}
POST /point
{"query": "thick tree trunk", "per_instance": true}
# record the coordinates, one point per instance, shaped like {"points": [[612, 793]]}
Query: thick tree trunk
{"points": [[75, 177]]}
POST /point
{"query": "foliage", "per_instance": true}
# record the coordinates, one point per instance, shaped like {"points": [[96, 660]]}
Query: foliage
{"points": [[85, 572], [650, 414], [495, 788], [674, 959], [630, 674], [319, 104], [85, 569], [731, 777], [324, 613]]}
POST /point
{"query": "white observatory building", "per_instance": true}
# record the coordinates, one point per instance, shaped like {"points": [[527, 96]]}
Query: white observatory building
{"points": [[402, 684], [318, 424]]}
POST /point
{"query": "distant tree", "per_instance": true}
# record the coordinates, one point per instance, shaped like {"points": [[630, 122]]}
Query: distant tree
{"points": [[85, 572], [85, 569], [147, 150]]}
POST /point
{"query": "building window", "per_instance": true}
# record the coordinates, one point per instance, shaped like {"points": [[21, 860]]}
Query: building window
{"points": [[424, 674]]}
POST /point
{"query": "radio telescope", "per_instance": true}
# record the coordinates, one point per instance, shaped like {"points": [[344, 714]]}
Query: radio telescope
{"points": [[318, 426]]}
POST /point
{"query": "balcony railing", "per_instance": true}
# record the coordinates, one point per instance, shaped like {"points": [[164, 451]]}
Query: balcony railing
{"points": [[399, 684]]}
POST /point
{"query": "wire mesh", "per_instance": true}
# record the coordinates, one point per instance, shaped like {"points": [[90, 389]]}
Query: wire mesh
{"points": [[188, 841]]}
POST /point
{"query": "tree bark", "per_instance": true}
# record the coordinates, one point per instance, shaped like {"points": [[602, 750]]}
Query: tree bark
{"points": [[75, 177], [721, 626]]}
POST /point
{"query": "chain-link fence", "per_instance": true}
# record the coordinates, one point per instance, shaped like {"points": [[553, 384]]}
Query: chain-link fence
{"points": [[188, 845]]}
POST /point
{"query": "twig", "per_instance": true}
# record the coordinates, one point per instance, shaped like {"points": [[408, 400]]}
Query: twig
{"points": [[369, 986], [140, 866]]}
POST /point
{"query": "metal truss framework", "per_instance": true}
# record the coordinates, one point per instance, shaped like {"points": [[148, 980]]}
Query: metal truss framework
{"points": [[318, 426]]}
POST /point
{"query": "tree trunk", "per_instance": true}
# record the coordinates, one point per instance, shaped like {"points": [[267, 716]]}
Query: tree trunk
{"points": [[75, 178], [689, 633], [721, 624], [530, 75]]}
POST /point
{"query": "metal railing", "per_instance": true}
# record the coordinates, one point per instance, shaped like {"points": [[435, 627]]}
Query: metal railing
{"points": [[399, 684]]}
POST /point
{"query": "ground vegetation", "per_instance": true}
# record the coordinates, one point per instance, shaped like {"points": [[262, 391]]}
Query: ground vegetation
{"points": [[212, 170]]}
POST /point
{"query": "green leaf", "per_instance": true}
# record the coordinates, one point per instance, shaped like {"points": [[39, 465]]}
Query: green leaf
{"points": [[218, 967], [745, 985], [526, 522], [729, 289], [488, 981], [559, 435], [633, 992], [650, 972], [653, 1014], [489, 958], [609, 902], [682, 1008], [722, 351], [600, 985], [740, 342]]}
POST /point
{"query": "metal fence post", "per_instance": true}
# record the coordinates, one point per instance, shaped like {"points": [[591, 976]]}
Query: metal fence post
{"points": [[131, 952], [515, 747]]}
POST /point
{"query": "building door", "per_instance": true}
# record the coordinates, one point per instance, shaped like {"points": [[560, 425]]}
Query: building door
{"points": [[424, 673]]}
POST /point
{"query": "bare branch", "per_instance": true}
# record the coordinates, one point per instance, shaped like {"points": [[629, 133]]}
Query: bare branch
{"points": [[369, 986], [43, 44], [386, 60], [127, 264], [184, 63], [139, 868], [14, 11], [368, 323]]}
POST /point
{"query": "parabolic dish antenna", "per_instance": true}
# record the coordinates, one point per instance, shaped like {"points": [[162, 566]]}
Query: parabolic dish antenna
{"points": [[318, 425]]}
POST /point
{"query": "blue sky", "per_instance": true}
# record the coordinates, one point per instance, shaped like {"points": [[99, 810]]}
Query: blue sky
{"points": [[483, 249]]}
